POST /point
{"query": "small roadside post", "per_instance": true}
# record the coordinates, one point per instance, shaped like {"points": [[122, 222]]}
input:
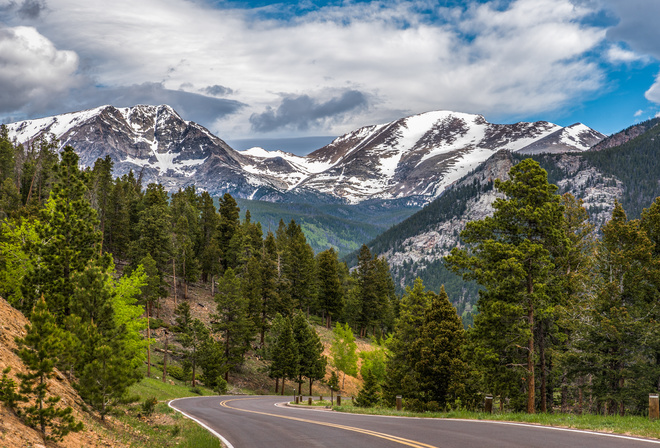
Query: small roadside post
{"points": [[399, 402], [488, 404], [654, 408]]}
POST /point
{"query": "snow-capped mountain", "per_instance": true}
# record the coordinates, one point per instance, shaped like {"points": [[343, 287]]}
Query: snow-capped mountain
{"points": [[413, 158]]}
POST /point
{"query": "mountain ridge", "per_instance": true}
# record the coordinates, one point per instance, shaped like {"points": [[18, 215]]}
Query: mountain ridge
{"points": [[415, 157]]}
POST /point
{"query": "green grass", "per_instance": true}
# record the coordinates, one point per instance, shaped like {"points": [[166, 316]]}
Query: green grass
{"points": [[151, 387], [628, 425], [166, 427]]}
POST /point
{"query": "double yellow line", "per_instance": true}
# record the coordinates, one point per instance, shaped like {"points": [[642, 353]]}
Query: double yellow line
{"points": [[380, 435]]}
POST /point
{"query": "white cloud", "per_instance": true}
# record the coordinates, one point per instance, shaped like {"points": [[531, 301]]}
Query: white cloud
{"points": [[653, 93], [618, 55], [33, 73], [639, 113], [528, 58]]}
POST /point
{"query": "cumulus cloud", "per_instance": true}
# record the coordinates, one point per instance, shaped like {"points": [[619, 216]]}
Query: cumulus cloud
{"points": [[33, 72], [500, 59], [618, 55], [302, 112]]}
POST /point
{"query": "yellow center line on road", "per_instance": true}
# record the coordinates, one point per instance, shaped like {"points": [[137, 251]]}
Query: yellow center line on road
{"points": [[380, 435]]}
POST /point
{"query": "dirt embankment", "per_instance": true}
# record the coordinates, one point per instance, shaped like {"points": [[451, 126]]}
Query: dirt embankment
{"points": [[15, 434]]}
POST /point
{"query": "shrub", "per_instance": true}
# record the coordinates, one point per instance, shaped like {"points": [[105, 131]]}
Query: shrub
{"points": [[221, 385], [149, 405], [177, 373]]}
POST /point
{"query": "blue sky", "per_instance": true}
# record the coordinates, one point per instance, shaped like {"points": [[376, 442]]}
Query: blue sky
{"points": [[268, 72]]}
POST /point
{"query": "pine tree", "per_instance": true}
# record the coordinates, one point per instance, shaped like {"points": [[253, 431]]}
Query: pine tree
{"points": [[622, 316], [69, 239], [193, 335], [232, 320], [400, 378], [369, 394], [106, 368], [37, 350], [270, 299], [153, 229], [297, 270], [311, 362], [367, 290], [101, 186], [228, 228], [330, 289], [283, 351], [209, 251], [438, 363], [511, 254]]}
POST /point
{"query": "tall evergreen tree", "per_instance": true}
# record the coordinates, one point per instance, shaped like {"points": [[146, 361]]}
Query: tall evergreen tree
{"points": [[311, 362], [269, 299], [100, 188], [69, 239], [38, 351], [193, 335], [208, 249], [511, 255], [400, 378], [283, 351], [232, 320], [330, 290], [153, 229], [228, 230], [621, 338], [438, 364], [367, 290]]}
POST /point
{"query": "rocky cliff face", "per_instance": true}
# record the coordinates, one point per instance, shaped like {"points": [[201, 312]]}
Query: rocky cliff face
{"points": [[597, 190]]}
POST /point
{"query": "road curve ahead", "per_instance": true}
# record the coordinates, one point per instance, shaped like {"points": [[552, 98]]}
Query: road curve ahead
{"points": [[255, 422]]}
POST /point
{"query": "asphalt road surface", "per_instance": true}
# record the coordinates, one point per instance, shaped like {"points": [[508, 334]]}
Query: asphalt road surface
{"points": [[264, 421]]}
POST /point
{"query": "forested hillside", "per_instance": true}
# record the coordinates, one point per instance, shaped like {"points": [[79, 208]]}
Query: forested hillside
{"points": [[343, 227], [89, 258], [628, 172]]}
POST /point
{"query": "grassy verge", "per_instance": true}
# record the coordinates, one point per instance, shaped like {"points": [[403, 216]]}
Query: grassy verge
{"points": [[164, 427], [626, 425]]}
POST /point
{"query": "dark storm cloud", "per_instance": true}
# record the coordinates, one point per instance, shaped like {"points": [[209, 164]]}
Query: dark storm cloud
{"points": [[635, 26], [191, 106], [31, 9], [217, 90], [302, 112], [27, 9]]}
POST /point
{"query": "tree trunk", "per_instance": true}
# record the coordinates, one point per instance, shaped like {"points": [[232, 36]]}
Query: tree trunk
{"points": [[174, 278], [299, 386], [148, 341], [531, 383], [564, 393], [185, 282], [544, 386], [580, 396], [165, 358], [310, 387], [282, 385]]}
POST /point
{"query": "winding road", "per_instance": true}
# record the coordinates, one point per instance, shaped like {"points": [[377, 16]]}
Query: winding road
{"points": [[265, 421]]}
